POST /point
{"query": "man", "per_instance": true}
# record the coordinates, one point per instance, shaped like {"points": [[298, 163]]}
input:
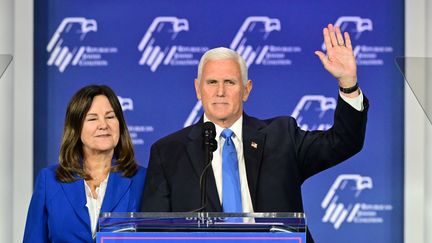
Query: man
{"points": [[274, 156]]}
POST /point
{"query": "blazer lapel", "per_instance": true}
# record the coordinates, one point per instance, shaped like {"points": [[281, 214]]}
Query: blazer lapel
{"points": [[196, 153], [253, 147], [75, 193], [117, 186]]}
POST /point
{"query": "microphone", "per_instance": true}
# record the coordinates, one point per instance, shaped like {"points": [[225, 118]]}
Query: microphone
{"points": [[209, 146], [209, 134]]}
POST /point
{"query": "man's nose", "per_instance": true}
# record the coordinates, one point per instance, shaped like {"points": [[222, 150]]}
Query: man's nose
{"points": [[221, 89]]}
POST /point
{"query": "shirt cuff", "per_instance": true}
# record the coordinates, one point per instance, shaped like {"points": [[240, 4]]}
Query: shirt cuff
{"points": [[356, 103]]}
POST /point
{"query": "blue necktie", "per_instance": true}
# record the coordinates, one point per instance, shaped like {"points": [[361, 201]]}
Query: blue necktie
{"points": [[231, 195]]}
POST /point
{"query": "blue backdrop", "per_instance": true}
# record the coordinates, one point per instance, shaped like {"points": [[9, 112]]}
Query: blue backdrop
{"points": [[147, 51]]}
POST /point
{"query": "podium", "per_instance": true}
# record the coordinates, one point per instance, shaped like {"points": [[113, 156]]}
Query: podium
{"points": [[201, 227]]}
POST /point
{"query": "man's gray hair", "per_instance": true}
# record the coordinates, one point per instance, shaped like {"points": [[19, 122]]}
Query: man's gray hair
{"points": [[223, 53]]}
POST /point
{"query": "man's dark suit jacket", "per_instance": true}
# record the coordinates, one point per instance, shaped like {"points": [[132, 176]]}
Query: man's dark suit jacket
{"points": [[279, 157]]}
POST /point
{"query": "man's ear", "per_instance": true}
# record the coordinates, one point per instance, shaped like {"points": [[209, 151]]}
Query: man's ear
{"points": [[197, 89], [247, 90]]}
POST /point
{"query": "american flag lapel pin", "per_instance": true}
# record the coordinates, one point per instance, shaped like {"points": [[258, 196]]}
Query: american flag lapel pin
{"points": [[254, 145]]}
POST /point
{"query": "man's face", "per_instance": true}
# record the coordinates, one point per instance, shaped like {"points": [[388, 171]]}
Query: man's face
{"points": [[222, 92]]}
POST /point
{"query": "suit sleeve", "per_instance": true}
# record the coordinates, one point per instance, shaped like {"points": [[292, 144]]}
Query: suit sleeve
{"points": [[36, 229], [319, 150], [156, 196]]}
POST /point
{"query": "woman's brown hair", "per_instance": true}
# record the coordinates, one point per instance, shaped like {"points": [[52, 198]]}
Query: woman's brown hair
{"points": [[71, 153]]}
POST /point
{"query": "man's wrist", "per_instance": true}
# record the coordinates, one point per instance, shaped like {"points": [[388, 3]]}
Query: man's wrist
{"points": [[349, 90]]}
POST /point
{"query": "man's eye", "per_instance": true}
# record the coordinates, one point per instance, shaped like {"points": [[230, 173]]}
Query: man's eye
{"points": [[229, 82], [211, 82]]}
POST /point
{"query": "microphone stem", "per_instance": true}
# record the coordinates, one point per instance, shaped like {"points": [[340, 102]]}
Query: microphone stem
{"points": [[208, 158]]}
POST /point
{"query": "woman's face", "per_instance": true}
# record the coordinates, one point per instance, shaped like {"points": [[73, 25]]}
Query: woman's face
{"points": [[100, 132]]}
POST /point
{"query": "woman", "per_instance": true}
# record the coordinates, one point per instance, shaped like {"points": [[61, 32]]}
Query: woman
{"points": [[97, 172]]}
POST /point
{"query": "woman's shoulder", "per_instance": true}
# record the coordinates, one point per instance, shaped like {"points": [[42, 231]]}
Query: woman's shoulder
{"points": [[48, 172], [138, 175], [139, 178], [141, 172], [47, 182]]}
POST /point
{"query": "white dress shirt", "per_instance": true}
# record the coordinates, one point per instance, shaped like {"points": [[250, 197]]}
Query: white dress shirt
{"points": [[217, 163], [237, 137], [356, 103], [94, 204]]}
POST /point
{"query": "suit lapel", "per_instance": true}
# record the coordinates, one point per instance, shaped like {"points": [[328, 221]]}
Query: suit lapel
{"points": [[117, 186], [194, 149], [196, 153], [75, 193], [253, 147], [212, 194]]}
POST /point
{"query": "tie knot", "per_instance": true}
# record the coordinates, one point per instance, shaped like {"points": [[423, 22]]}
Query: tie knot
{"points": [[226, 133]]}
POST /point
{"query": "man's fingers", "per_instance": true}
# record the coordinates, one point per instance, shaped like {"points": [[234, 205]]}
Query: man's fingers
{"points": [[340, 39], [347, 40], [322, 57], [327, 40], [332, 34]]}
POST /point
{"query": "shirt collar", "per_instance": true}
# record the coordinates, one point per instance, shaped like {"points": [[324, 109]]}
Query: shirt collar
{"points": [[236, 127], [101, 187]]}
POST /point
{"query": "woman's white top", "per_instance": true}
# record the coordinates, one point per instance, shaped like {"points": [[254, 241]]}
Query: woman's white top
{"points": [[94, 204]]}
